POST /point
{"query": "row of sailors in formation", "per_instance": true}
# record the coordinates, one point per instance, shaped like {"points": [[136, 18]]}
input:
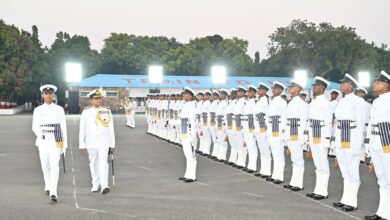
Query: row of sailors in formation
{"points": [[264, 125]]}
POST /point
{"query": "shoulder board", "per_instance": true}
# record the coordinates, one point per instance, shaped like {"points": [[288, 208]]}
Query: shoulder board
{"points": [[87, 107]]}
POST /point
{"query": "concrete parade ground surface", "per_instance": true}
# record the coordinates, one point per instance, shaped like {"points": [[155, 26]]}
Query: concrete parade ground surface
{"points": [[147, 185]]}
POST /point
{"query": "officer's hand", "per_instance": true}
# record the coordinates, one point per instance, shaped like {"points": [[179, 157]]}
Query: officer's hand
{"points": [[84, 150], [63, 152], [111, 151]]}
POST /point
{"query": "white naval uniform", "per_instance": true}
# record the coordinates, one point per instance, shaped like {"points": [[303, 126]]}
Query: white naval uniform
{"points": [[132, 106], [248, 131], [188, 133], [320, 117], [164, 119], [180, 106], [171, 112], [242, 151], [198, 128], [348, 153], [205, 141], [297, 115], [221, 141], [367, 109], [97, 136], [213, 126], [44, 117], [231, 130], [277, 111], [332, 150], [380, 150], [261, 115]]}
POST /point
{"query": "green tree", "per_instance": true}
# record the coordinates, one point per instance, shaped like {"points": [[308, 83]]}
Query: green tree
{"points": [[66, 49], [321, 49]]}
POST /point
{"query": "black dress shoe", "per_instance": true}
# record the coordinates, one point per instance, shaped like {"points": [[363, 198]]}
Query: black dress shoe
{"points": [[239, 167], [106, 190], [319, 197], [287, 186], [296, 189], [278, 181], [348, 208], [258, 175], [189, 180], [228, 163], [182, 178], [220, 160], [250, 171], [338, 204], [245, 169], [269, 179], [234, 165], [310, 195], [47, 192], [372, 217], [215, 159], [265, 176], [53, 199]]}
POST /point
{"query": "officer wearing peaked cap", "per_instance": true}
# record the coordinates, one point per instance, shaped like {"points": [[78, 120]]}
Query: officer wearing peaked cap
{"points": [[297, 113], [261, 116], [276, 124], [188, 133], [379, 144], [49, 125], [350, 119], [334, 94], [97, 138]]}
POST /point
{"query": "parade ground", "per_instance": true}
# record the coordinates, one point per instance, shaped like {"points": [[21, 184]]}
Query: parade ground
{"points": [[147, 185]]}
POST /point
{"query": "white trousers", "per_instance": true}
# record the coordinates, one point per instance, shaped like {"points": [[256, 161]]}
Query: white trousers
{"points": [[241, 150], [321, 162], [265, 153], [50, 156], [298, 163], [98, 166], [233, 146], [277, 150], [252, 150], [222, 144], [191, 162], [205, 140], [381, 162]]}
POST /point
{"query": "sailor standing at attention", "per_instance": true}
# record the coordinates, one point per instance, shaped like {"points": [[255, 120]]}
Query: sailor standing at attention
{"points": [[319, 131], [297, 114], [277, 113], [49, 125], [350, 117], [188, 133]]}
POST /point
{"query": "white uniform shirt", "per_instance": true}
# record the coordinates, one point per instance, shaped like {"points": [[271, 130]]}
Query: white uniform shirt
{"points": [[380, 112], [261, 107], [93, 134], [297, 108], [230, 110], [277, 107], [188, 112], [351, 107], [222, 110], [320, 108], [239, 110], [206, 109], [213, 108], [48, 114], [249, 110]]}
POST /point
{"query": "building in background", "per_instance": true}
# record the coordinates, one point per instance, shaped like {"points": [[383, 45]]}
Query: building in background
{"points": [[116, 88]]}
